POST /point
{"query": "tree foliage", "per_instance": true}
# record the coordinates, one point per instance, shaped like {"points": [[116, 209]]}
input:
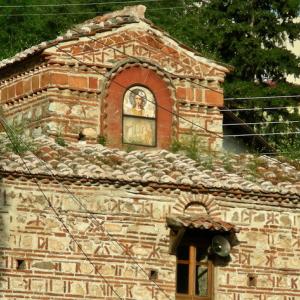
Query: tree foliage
{"points": [[251, 35]]}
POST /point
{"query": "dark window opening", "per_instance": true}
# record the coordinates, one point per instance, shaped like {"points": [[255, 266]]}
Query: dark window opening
{"points": [[153, 274], [21, 264]]}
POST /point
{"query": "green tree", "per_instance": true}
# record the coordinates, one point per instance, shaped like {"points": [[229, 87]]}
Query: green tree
{"points": [[251, 35]]}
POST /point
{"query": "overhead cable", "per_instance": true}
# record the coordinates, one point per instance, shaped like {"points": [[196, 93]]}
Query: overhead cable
{"points": [[261, 123], [80, 13], [261, 108], [79, 4], [262, 97], [260, 134]]}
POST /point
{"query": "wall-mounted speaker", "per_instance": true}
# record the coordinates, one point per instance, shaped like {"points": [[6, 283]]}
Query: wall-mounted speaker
{"points": [[220, 246]]}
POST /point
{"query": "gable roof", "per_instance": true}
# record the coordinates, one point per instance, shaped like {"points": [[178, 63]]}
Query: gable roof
{"points": [[100, 24], [237, 174]]}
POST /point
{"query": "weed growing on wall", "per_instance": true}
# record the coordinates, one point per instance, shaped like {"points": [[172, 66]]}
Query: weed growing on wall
{"points": [[59, 140], [16, 140], [194, 148]]}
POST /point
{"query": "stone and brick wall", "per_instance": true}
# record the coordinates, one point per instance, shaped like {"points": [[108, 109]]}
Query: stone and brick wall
{"points": [[134, 216], [68, 93]]}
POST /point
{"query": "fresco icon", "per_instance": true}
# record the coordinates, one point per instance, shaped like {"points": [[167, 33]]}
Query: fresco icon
{"points": [[139, 117]]}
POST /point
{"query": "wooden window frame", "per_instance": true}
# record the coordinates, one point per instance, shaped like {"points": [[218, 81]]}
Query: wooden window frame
{"points": [[192, 276]]}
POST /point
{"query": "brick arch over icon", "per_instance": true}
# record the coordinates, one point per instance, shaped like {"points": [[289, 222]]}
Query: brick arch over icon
{"points": [[151, 77], [195, 204]]}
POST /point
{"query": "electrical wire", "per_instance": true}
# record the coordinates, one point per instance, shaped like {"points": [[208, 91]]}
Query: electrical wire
{"points": [[254, 134], [91, 215], [261, 108], [57, 214], [262, 97], [80, 13], [79, 4], [261, 123]]}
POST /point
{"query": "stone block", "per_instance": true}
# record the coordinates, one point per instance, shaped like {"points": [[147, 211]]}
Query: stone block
{"points": [[78, 111], [109, 227], [56, 244], [90, 132], [59, 108], [44, 265], [37, 285], [91, 112]]}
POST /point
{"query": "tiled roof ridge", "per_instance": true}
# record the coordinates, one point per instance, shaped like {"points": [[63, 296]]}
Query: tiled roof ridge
{"points": [[137, 11], [88, 162]]}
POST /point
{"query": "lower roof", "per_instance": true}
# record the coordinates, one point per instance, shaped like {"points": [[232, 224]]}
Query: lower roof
{"points": [[243, 172]]}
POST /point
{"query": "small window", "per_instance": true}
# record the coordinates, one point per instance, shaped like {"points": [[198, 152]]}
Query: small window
{"points": [[21, 264], [194, 272], [139, 117]]}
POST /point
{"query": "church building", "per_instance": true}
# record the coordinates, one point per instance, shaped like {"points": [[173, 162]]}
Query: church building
{"points": [[95, 203]]}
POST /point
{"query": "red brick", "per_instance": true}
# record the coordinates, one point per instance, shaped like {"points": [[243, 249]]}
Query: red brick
{"points": [[214, 98], [76, 49], [45, 79], [27, 86], [61, 79], [190, 94], [4, 94], [198, 94], [19, 88], [35, 82], [93, 83], [77, 82], [181, 93], [11, 91]]}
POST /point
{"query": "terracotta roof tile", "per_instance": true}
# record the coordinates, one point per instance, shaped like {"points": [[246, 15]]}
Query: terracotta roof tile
{"points": [[203, 222], [160, 166]]}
